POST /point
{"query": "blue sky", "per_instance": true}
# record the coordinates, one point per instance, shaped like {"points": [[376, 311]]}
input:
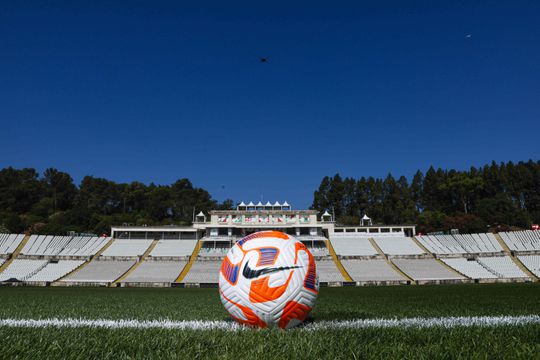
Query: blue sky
{"points": [[159, 90]]}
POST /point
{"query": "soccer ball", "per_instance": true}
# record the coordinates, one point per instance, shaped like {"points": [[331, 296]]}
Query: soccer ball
{"points": [[268, 279]]}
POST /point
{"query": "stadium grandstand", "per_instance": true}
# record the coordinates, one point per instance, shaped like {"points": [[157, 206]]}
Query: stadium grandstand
{"points": [[192, 255]]}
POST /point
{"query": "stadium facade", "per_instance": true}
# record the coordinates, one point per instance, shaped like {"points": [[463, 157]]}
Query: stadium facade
{"points": [[230, 225], [192, 255]]}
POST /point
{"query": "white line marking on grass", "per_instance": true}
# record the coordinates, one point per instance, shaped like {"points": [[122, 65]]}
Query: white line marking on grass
{"points": [[122, 324], [444, 322]]}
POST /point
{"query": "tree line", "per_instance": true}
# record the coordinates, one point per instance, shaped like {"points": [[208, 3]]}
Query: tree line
{"points": [[53, 204], [493, 197]]}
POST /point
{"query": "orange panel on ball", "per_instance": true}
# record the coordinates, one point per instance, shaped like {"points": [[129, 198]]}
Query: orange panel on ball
{"points": [[293, 310], [261, 292]]}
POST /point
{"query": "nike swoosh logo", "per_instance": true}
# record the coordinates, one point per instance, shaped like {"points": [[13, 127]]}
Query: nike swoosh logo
{"points": [[249, 273]]}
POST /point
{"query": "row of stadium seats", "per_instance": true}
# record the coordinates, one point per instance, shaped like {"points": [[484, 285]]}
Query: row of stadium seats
{"points": [[22, 269], [503, 266], [532, 262], [470, 268], [328, 271], [88, 246], [46, 245], [203, 272], [54, 271], [349, 244], [311, 238], [425, 269], [398, 246], [380, 270], [319, 251], [461, 244], [522, 240], [100, 271], [370, 270], [173, 248], [486, 267], [360, 270], [156, 271], [38, 270], [84, 246], [345, 244], [9, 242], [106, 269], [127, 248], [211, 251]]}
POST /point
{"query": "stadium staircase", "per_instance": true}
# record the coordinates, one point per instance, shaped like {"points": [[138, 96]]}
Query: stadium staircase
{"points": [[98, 254], [35, 272], [494, 272], [451, 269], [388, 261], [338, 263], [15, 253], [415, 240], [136, 265], [515, 258], [192, 259], [443, 264]]}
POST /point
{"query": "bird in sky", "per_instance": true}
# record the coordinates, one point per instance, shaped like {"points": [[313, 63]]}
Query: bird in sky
{"points": [[263, 59], [468, 36]]}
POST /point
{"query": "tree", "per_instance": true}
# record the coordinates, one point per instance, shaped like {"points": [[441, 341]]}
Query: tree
{"points": [[320, 196], [60, 188], [227, 204], [19, 189], [431, 196], [417, 189], [501, 210], [362, 201], [100, 195], [391, 201], [462, 189]]}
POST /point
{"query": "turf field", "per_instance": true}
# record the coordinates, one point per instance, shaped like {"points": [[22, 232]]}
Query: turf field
{"points": [[516, 341]]}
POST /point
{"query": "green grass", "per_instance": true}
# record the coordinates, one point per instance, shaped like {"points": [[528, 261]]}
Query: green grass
{"points": [[333, 304]]}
